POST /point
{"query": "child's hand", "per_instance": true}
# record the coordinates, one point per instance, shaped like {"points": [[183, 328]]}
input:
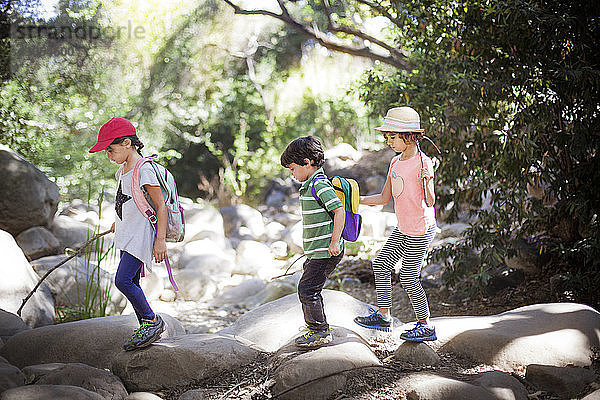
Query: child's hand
{"points": [[425, 174], [159, 252], [334, 249]]}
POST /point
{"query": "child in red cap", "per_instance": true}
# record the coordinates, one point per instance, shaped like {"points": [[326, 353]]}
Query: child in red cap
{"points": [[134, 235]]}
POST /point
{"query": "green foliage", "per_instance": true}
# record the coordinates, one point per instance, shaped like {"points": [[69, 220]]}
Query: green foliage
{"points": [[509, 90]]}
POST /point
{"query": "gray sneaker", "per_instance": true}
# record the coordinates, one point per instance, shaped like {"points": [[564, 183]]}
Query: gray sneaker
{"points": [[313, 339], [148, 332]]}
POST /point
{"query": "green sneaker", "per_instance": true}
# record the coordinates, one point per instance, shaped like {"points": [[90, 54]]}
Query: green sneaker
{"points": [[148, 332], [314, 339]]}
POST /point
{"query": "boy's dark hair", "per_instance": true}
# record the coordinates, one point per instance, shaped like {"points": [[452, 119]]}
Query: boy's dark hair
{"points": [[135, 142], [304, 147]]}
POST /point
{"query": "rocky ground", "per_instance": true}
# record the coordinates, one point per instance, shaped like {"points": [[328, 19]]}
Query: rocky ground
{"points": [[254, 381]]}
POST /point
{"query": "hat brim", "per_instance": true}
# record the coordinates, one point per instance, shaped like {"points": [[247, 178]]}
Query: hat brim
{"points": [[389, 128], [100, 145]]}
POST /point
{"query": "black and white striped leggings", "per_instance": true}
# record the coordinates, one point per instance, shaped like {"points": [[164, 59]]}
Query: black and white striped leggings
{"points": [[412, 250]]}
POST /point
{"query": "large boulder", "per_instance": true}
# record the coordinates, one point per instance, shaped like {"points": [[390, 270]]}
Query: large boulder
{"points": [[18, 279], [93, 379], [306, 375], [286, 314], [253, 258], [70, 282], [94, 341], [429, 386], [241, 215], [566, 382], [536, 334], [27, 197], [49, 392], [10, 325], [204, 223], [181, 361], [37, 242], [10, 376], [70, 232]]}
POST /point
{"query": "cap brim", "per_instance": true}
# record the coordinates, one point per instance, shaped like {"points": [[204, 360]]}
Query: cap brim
{"points": [[99, 146]]}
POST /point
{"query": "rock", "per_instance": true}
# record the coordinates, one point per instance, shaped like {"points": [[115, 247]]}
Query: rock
{"points": [[593, 396], [10, 376], [279, 249], [502, 385], [70, 232], [375, 222], [240, 293], [347, 352], [272, 291], [93, 379], [293, 237], [273, 231], [242, 215], [195, 394], [527, 258], [10, 324], [50, 392], [414, 354], [456, 229], [181, 360], [374, 184], [427, 386], [93, 341], [199, 284], [286, 314], [34, 372], [252, 257], [69, 283], [27, 197], [566, 382], [536, 334], [431, 276], [37, 242], [210, 255], [344, 152], [142, 396], [204, 223], [18, 279]]}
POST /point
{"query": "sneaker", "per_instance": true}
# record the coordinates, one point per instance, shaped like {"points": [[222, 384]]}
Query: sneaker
{"points": [[419, 333], [376, 320], [313, 339], [148, 332]]}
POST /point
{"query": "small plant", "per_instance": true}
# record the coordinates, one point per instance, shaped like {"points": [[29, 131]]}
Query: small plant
{"points": [[93, 301]]}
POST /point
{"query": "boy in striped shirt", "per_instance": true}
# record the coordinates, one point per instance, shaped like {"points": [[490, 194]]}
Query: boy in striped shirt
{"points": [[322, 234]]}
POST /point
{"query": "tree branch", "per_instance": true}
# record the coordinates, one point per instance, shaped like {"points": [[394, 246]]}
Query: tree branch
{"points": [[395, 58]]}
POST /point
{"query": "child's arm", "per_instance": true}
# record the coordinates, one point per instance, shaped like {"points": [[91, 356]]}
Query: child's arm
{"points": [[381, 198], [160, 245], [425, 173], [339, 218]]}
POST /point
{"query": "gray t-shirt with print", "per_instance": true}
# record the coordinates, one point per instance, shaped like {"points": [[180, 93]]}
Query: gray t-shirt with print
{"points": [[133, 232]]}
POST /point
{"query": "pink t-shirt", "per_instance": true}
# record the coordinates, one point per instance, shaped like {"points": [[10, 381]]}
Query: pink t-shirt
{"points": [[414, 216]]}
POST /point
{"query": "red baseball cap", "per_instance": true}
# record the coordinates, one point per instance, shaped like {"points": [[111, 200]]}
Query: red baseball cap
{"points": [[115, 128]]}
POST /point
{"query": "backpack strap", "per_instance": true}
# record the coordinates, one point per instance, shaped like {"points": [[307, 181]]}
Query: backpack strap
{"points": [[145, 208], [314, 194], [137, 193]]}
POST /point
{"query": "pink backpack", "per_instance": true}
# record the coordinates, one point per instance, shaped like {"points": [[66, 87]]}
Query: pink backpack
{"points": [[175, 220]]}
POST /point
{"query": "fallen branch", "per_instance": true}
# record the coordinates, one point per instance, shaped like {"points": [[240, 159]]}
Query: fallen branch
{"points": [[78, 252], [288, 268]]}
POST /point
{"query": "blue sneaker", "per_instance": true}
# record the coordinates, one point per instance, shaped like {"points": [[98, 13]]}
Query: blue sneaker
{"points": [[375, 321], [419, 333]]}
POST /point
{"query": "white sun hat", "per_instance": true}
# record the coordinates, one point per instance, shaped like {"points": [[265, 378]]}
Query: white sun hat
{"points": [[401, 119]]}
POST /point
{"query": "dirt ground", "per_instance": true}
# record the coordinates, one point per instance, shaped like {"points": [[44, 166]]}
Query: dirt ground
{"points": [[253, 382]]}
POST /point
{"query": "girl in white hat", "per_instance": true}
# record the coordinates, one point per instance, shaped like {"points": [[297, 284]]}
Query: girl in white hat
{"points": [[410, 183]]}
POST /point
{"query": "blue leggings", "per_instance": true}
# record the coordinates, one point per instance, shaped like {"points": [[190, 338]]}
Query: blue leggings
{"points": [[127, 280]]}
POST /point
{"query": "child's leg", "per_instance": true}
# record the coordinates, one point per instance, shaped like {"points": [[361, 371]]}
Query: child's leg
{"points": [[310, 286], [415, 249], [383, 265], [127, 280]]}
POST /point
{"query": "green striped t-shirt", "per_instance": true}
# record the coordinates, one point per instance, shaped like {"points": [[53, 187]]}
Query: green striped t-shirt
{"points": [[317, 224]]}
